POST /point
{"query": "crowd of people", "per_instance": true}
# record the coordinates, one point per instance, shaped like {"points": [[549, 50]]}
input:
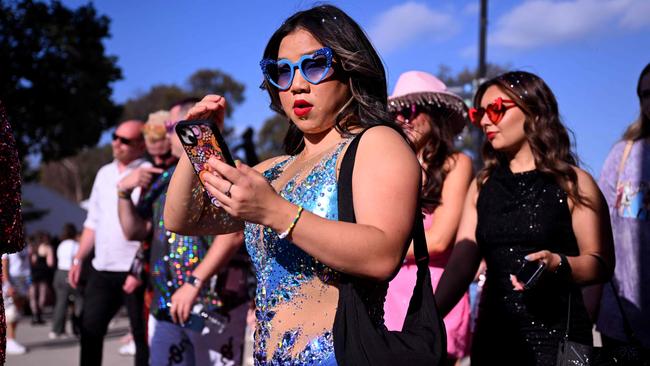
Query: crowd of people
{"points": [[267, 244]]}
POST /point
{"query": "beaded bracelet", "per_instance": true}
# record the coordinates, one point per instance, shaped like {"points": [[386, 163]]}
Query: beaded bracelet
{"points": [[286, 233], [124, 194]]}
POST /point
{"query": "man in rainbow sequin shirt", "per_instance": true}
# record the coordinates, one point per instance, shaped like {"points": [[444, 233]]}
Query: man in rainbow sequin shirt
{"points": [[173, 259]]}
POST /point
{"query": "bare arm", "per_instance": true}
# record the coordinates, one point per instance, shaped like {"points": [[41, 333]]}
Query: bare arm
{"points": [[5, 269], [134, 227], [221, 251], [593, 231], [186, 209], [49, 259], [465, 258], [86, 244], [384, 200], [446, 217]]}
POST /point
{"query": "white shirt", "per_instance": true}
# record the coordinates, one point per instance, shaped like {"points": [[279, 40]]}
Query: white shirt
{"points": [[65, 252], [112, 251], [18, 263]]}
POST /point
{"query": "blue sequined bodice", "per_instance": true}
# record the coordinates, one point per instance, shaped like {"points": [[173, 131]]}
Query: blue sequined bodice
{"points": [[296, 294]]}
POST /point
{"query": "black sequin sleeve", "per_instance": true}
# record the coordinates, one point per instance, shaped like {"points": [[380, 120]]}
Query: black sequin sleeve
{"points": [[11, 223]]}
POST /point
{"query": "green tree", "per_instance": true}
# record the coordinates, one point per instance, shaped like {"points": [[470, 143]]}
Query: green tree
{"points": [[467, 75], [199, 84], [204, 82], [55, 78], [270, 137], [157, 98], [73, 176], [471, 139]]}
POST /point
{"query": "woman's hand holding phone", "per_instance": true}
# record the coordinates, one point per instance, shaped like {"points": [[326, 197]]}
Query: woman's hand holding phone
{"points": [[212, 107], [244, 193], [547, 261]]}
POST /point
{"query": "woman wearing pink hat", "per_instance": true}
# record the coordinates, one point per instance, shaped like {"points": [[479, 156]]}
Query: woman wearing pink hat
{"points": [[432, 117]]}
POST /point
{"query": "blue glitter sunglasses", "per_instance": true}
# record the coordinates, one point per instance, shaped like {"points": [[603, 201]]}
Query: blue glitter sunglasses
{"points": [[313, 68]]}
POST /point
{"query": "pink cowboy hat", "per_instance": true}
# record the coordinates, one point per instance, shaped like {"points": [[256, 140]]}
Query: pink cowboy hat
{"points": [[423, 89]]}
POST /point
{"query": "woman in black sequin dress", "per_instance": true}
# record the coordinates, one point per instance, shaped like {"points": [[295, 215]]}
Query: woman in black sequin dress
{"points": [[530, 203], [11, 223]]}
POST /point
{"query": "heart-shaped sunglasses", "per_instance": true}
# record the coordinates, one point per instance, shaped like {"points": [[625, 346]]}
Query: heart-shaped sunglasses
{"points": [[313, 68], [495, 111]]}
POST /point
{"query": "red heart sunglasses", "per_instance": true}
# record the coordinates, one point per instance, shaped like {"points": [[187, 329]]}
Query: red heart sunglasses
{"points": [[495, 111]]}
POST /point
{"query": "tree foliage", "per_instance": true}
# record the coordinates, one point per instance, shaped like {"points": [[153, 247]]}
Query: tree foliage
{"points": [[270, 137], [73, 176], [199, 84], [468, 75], [55, 78], [471, 139]]}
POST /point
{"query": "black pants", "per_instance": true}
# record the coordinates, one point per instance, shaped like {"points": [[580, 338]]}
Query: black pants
{"points": [[102, 299]]}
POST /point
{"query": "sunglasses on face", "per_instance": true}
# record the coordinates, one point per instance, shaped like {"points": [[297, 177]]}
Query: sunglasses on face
{"points": [[408, 113], [495, 111], [313, 68], [169, 126], [124, 140]]}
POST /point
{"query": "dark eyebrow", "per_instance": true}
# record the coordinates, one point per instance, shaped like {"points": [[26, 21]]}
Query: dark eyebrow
{"points": [[306, 53]]}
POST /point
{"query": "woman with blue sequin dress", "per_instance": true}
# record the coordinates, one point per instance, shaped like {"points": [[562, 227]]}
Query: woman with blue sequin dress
{"points": [[323, 75]]}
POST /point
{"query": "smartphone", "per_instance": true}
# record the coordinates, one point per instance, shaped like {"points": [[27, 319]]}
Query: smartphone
{"points": [[530, 272], [201, 139], [194, 322]]}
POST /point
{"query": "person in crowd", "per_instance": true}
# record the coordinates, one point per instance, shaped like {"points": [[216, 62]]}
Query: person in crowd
{"points": [[157, 141], [65, 252], [41, 260], [174, 259], [104, 293], [625, 182], [323, 75], [432, 117], [530, 203], [11, 227], [159, 153], [15, 288]]}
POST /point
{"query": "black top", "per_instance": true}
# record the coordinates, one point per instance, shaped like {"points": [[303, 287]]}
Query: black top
{"points": [[519, 214]]}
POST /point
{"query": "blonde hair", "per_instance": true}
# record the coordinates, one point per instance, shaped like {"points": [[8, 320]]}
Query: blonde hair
{"points": [[154, 128]]}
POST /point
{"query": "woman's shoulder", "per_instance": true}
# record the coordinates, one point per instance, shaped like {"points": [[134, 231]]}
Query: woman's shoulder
{"points": [[381, 139], [385, 142], [458, 161]]}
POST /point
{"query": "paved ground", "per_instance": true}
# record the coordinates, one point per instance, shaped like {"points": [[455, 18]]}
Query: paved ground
{"points": [[45, 352]]}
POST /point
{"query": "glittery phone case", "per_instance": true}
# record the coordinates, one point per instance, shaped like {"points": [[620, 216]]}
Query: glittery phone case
{"points": [[201, 140]]}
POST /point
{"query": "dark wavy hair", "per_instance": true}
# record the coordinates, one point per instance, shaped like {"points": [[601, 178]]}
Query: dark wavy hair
{"points": [[435, 152], [69, 231], [547, 136], [358, 64], [641, 127]]}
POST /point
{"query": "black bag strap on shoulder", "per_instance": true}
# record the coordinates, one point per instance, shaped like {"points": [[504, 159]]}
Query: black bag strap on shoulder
{"points": [[358, 340]]}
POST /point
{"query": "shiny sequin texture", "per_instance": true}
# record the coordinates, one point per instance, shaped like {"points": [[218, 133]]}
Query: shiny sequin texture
{"points": [[291, 283], [11, 224], [519, 214], [173, 256]]}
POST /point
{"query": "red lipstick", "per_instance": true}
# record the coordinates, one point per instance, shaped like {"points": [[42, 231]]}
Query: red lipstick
{"points": [[490, 135], [301, 107]]}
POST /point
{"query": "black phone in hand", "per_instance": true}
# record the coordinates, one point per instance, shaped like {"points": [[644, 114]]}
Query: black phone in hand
{"points": [[530, 272]]}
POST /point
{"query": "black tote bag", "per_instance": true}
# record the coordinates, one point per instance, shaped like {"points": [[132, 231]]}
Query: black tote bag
{"points": [[357, 340]]}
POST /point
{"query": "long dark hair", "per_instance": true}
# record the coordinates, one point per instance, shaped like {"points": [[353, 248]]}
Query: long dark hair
{"points": [[547, 136], [435, 153], [360, 66], [69, 231], [641, 127]]}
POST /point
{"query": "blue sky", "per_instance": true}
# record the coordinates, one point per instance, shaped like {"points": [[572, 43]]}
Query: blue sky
{"points": [[589, 51]]}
